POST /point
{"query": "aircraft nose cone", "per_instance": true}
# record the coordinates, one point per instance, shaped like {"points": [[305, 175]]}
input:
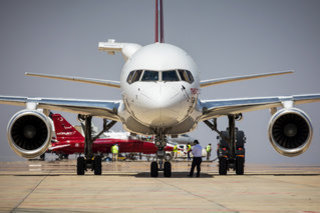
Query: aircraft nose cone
{"points": [[161, 105]]}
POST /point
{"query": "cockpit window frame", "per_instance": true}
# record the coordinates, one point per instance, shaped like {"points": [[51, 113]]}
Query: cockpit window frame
{"points": [[181, 74], [186, 75]]}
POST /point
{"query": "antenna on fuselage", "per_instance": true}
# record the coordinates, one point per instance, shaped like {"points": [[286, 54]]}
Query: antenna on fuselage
{"points": [[159, 14]]}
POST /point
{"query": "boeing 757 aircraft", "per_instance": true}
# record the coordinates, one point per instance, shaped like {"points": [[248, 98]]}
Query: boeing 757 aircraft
{"points": [[159, 86]]}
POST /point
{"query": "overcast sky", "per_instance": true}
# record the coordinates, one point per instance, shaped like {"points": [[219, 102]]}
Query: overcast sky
{"points": [[225, 38]]}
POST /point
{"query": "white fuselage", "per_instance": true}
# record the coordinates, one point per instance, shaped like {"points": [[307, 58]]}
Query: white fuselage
{"points": [[160, 87]]}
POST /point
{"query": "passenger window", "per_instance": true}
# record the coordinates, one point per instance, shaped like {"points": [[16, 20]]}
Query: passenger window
{"points": [[129, 79], [136, 76], [150, 76], [170, 76]]}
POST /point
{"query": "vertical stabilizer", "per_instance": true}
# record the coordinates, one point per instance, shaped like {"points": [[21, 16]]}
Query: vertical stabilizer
{"points": [[159, 29], [64, 130]]}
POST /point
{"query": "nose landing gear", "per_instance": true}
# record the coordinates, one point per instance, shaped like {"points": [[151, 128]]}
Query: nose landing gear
{"points": [[161, 164]]}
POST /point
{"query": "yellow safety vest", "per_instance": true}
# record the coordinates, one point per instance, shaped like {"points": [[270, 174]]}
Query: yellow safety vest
{"points": [[175, 148], [114, 149], [208, 148]]}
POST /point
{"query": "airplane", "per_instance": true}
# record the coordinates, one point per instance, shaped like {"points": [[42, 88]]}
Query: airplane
{"points": [[69, 141], [182, 139], [159, 86]]}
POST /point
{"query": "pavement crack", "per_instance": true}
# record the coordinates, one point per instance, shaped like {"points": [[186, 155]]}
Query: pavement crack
{"points": [[34, 188], [195, 195]]}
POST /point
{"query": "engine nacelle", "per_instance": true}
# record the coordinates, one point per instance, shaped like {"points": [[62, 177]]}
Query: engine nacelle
{"points": [[290, 132], [29, 133]]}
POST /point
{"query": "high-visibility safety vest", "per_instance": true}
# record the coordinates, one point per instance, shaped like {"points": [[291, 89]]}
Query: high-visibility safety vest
{"points": [[175, 148], [114, 149], [208, 148], [189, 148]]}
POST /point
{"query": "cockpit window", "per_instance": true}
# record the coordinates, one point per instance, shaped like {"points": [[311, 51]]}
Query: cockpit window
{"points": [[183, 75], [136, 76], [129, 79], [170, 76], [150, 76], [190, 76], [186, 75]]}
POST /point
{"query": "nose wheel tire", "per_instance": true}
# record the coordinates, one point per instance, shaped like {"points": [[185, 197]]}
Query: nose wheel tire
{"points": [[154, 169], [167, 169]]}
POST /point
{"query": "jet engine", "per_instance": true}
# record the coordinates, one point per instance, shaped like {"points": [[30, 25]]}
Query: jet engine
{"points": [[29, 133], [290, 131]]}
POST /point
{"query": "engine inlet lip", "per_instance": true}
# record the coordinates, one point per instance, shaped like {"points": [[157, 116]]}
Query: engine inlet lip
{"points": [[29, 154], [293, 151]]}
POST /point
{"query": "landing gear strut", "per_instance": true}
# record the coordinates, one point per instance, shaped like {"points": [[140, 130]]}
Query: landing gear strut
{"points": [[161, 164], [231, 151], [90, 161]]}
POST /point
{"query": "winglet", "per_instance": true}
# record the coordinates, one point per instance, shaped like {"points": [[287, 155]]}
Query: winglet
{"points": [[217, 81]]}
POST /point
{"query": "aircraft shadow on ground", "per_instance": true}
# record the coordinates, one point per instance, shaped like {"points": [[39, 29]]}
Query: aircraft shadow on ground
{"points": [[174, 175]]}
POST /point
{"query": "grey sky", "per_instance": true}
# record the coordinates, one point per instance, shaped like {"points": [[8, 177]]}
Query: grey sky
{"points": [[225, 38]]}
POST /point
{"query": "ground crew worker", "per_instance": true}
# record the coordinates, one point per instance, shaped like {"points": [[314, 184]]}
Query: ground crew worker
{"points": [[175, 151], [189, 150], [115, 151], [208, 149], [197, 158]]}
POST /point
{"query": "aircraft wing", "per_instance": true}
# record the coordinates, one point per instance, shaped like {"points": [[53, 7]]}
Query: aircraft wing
{"points": [[108, 83], [217, 81], [216, 108], [101, 108]]}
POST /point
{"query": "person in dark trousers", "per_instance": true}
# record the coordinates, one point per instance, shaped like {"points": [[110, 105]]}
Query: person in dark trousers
{"points": [[197, 158]]}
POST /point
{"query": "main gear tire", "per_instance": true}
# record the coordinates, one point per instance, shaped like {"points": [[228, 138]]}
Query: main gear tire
{"points": [[167, 169], [223, 166], [154, 169], [81, 165], [239, 165], [97, 165]]}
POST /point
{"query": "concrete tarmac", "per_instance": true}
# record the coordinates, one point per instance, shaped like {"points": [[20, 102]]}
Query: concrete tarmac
{"points": [[35, 186]]}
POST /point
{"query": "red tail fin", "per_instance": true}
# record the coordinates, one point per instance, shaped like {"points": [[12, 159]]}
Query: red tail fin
{"points": [[64, 130], [159, 5]]}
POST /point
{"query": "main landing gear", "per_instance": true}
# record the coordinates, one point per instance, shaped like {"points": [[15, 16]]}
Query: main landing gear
{"points": [[161, 164], [90, 161], [231, 151]]}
